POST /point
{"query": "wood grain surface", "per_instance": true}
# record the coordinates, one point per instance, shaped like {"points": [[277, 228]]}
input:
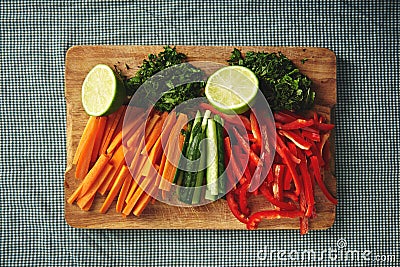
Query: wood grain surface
{"points": [[320, 67]]}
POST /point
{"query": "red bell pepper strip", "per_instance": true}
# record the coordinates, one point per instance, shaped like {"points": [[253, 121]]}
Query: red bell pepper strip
{"points": [[295, 138], [308, 187], [229, 170], [251, 138], [256, 218], [242, 194], [254, 159], [279, 171], [318, 178], [287, 180], [316, 152], [325, 127], [265, 191], [234, 207], [280, 143], [296, 124], [311, 136], [246, 122], [292, 169], [255, 129]]}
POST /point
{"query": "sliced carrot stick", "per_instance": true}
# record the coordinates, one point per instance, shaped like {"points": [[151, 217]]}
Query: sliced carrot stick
{"points": [[142, 203], [133, 122], [172, 154], [150, 124], [75, 195], [107, 129], [88, 204], [83, 164], [117, 141], [123, 193], [94, 173], [115, 189], [134, 186], [98, 139], [133, 139], [117, 160], [118, 115], [84, 199], [155, 133], [153, 158], [137, 158], [84, 138], [138, 192]]}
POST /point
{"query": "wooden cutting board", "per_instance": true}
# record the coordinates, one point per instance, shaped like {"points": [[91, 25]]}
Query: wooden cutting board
{"points": [[320, 67]]}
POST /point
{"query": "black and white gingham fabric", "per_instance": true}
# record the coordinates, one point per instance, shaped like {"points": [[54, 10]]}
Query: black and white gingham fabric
{"points": [[34, 38]]}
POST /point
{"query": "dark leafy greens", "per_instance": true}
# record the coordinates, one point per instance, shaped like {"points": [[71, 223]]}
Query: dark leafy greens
{"points": [[281, 82], [177, 84]]}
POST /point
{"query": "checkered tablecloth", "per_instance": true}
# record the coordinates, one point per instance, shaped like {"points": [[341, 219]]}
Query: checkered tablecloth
{"points": [[35, 36]]}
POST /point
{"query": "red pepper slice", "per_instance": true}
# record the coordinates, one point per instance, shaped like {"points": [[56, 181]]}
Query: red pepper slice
{"points": [[308, 187], [256, 218], [292, 169], [312, 136], [255, 129], [295, 138], [265, 191], [296, 124], [282, 145], [287, 180], [242, 194], [233, 206], [229, 170], [279, 171], [318, 177], [326, 127], [246, 122]]}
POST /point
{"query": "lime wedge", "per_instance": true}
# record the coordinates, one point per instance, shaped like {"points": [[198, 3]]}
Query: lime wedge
{"points": [[232, 89], [102, 91]]}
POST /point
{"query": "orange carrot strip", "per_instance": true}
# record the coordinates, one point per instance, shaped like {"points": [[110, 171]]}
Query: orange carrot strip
{"points": [[98, 138], [118, 115], [83, 200], [132, 190], [133, 139], [142, 203], [88, 204], [115, 189], [137, 158], [84, 138], [117, 160], [172, 154], [109, 124], [83, 164], [94, 173], [124, 192], [115, 142], [75, 195], [155, 133], [150, 124], [135, 197], [133, 123]]}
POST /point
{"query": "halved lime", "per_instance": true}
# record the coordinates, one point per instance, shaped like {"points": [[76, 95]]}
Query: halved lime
{"points": [[232, 89], [102, 91]]}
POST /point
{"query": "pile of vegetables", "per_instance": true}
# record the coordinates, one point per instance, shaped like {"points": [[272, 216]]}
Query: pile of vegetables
{"points": [[302, 154], [302, 147]]}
